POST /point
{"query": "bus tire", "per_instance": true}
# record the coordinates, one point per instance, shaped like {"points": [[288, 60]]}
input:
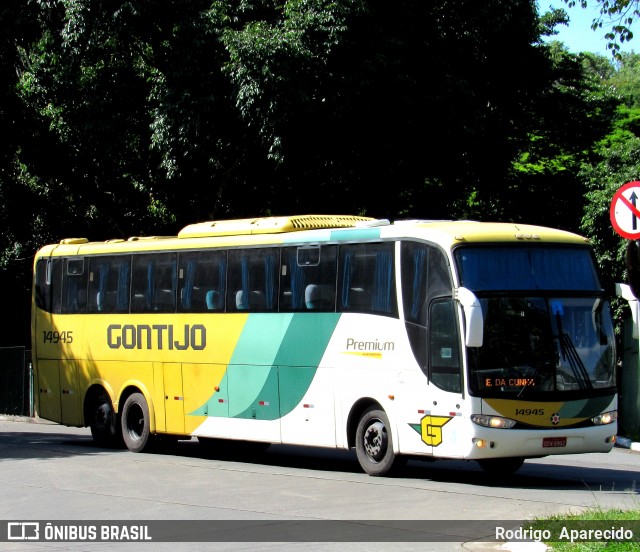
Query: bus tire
{"points": [[501, 466], [104, 422], [135, 422], [374, 446]]}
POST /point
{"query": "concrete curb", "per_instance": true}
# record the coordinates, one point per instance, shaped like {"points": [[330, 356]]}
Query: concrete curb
{"points": [[628, 443], [25, 419]]}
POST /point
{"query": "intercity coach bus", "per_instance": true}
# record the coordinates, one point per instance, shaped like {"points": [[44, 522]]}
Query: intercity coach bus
{"points": [[463, 340]]}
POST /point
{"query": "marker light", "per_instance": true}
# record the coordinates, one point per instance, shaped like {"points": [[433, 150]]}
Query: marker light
{"points": [[605, 418], [495, 422]]}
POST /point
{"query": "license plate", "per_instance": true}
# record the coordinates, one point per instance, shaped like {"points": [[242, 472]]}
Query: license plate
{"points": [[548, 442]]}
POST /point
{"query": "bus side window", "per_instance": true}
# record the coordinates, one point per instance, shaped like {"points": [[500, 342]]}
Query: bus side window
{"points": [[308, 278], [166, 282], [201, 281], [56, 286], [414, 281], [317, 266], [253, 282], [154, 282], [292, 283], [367, 279], [109, 283], [49, 284], [444, 346], [74, 286], [42, 289], [425, 277]]}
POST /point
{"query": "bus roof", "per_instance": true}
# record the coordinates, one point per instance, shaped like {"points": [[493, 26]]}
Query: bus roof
{"points": [[319, 229], [460, 231], [273, 225]]}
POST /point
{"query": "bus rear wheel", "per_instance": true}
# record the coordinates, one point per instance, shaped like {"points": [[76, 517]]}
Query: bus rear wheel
{"points": [[135, 422], [374, 446], [104, 423]]}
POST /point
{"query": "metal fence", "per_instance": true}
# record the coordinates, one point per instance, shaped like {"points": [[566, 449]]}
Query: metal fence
{"points": [[16, 382]]}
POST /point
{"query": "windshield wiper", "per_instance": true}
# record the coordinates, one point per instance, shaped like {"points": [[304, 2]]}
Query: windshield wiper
{"points": [[570, 354]]}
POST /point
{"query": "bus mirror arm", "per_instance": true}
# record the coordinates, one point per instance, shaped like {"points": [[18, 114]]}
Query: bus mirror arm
{"points": [[472, 315]]}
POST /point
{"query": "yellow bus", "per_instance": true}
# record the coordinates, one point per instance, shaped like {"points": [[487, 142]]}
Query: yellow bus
{"points": [[490, 342]]}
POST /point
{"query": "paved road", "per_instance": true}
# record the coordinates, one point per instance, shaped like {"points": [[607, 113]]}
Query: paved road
{"points": [[49, 472]]}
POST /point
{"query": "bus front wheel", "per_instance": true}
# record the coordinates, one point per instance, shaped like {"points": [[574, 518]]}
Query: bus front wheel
{"points": [[374, 447], [135, 422]]}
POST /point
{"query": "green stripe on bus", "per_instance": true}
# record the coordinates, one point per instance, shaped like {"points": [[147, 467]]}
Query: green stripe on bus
{"points": [[300, 354], [273, 365], [361, 234]]}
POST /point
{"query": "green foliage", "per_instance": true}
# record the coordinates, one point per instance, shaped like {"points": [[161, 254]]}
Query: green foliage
{"points": [[615, 163], [599, 519], [626, 79], [550, 20], [572, 114], [270, 60]]}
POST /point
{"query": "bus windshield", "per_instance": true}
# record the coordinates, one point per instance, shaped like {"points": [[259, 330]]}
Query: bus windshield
{"points": [[547, 327]]}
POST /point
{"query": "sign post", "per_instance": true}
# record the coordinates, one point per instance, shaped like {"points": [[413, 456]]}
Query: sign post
{"points": [[625, 217]]}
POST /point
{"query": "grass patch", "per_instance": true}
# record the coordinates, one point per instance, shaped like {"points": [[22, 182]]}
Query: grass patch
{"points": [[562, 527]]}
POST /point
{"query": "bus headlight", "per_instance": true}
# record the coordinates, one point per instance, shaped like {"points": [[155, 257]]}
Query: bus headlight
{"points": [[605, 418], [496, 422]]}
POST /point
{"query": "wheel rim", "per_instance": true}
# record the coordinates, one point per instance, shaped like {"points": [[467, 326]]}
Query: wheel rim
{"points": [[375, 441], [135, 422]]}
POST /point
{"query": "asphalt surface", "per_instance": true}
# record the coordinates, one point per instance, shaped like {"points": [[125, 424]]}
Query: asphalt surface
{"points": [[57, 471]]}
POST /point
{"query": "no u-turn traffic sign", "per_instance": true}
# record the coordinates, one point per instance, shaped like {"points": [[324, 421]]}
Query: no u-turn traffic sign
{"points": [[625, 211]]}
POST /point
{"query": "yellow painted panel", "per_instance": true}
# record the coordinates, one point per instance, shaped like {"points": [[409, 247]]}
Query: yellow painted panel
{"points": [[158, 397], [48, 390], [191, 338], [199, 384], [173, 397], [541, 414], [70, 395]]}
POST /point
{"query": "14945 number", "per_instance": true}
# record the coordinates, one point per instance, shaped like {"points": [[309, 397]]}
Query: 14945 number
{"points": [[529, 411], [57, 337]]}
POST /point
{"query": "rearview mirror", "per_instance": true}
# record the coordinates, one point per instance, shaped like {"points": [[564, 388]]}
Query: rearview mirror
{"points": [[474, 324]]}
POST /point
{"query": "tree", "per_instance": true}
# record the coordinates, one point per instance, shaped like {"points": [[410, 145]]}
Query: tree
{"points": [[20, 198], [569, 118], [371, 99]]}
